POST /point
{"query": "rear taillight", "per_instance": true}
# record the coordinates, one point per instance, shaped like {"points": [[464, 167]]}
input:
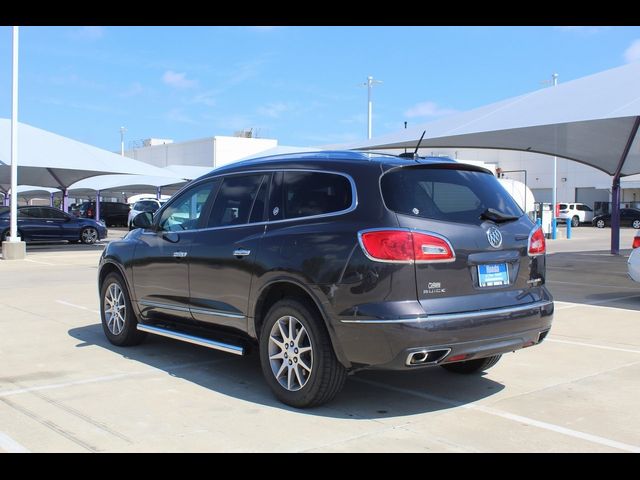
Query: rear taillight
{"points": [[405, 246], [537, 243], [636, 242]]}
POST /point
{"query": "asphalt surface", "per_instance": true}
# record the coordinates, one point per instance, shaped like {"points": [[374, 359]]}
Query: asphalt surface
{"points": [[63, 387]]}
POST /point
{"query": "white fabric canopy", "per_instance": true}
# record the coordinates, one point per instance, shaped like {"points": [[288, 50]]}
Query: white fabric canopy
{"points": [[51, 160], [124, 183], [588, 120]]}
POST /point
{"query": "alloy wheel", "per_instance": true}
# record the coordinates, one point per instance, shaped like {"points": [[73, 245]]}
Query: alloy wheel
{"points": [[115, 308], [290, 353], [89, 235]]}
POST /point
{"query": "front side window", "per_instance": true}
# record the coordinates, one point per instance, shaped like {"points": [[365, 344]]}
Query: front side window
{"points": [[315, 193], [236, 199], [53, 213], [184, 212]]}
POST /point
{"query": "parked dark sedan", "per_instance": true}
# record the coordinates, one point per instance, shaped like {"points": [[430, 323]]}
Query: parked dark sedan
{"points": [[328, 263], [629, 217], [48, 223]]}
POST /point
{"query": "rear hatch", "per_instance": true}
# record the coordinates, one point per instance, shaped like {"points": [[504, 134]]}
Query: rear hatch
{"points": [[487, 230]]}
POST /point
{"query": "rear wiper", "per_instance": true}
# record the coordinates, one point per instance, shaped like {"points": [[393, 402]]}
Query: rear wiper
{"points": [[496, 216]]}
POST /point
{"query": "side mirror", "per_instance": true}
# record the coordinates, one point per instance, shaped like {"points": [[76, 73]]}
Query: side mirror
{"points": [[143, 220]]}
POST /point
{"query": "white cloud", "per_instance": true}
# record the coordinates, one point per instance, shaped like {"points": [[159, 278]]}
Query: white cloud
{"points": [[207, 98], [178, 80], [428, 109], [178, 116], [632, 53], [274, 110], [582, 29], [134, 89], [89, 33]]}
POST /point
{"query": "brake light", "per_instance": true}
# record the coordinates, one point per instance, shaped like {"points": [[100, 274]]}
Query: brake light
{"points": [[405, 246], [537, 243], [636, 241]]}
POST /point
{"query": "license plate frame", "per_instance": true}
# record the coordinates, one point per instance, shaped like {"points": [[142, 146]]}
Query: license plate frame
{"points": [[493, 275]]}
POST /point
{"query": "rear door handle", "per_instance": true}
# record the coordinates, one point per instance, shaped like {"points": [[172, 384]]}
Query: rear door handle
{"points": [[179, 254], [241, 252], [49, 221]]}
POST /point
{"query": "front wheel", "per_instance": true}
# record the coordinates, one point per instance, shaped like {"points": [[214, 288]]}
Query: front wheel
{"points": [[472, 366], [118, 320], [89, 235], [636, 224], [297, 358], [600, 224], [575, 222]]}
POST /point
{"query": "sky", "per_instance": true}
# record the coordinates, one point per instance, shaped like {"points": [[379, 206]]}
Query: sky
{"points": [[303, 86]]}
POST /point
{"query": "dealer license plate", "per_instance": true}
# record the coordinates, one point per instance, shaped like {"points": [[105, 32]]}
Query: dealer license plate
{"points": [[493, 275]]}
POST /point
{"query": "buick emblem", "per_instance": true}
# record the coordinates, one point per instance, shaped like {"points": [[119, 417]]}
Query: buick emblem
{"points": [[495, 237]]}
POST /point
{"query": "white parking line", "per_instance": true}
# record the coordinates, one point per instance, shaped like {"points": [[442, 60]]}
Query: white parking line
{"points": [[597, 304], [593, 285], [108, 378], [592, 345], [41, 263], [510, 416], [62, 302], [9, 445]]}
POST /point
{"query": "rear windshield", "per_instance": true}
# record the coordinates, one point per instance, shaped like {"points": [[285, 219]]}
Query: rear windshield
{"points": [[445, 193], [146, 206], [563, 206]]}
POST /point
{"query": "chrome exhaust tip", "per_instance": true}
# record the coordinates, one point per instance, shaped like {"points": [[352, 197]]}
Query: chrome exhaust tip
{"points": [[426, 357]]}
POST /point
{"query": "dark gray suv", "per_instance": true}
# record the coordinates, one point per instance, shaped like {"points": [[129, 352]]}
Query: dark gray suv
{"points": [[333, 262]]}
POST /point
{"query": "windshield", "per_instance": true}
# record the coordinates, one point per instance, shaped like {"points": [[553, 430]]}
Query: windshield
{"points": [[146, 206], [448, 193]]}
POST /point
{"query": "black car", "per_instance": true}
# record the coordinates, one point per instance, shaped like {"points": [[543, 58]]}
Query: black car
{"points": [[48, 223], [333, 262], [111, 213], [629, 217]]}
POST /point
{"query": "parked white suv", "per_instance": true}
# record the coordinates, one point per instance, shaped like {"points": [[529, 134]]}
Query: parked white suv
{"points": [[634, 259], [145, 205], [576, 212]]}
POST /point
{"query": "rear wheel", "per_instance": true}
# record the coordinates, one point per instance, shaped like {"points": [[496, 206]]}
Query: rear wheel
{"points": [[600, 223], [636, 224], [472, 366], [297, 358], [575, 222], [89, 235], [118, 320]]}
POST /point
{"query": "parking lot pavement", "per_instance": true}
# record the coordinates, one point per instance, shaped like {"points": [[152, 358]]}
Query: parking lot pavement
{"points": [[63, 387]]}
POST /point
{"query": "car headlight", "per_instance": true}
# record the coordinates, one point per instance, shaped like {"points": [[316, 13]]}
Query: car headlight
{"points": [[101, 223]]}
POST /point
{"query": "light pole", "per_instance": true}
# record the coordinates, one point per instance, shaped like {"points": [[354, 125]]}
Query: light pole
{"points": [[369, 84], [14, 249], [554, 231], [122, 130]]}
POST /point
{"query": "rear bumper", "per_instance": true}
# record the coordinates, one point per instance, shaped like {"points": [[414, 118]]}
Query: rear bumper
{"points": [[386, 344]]}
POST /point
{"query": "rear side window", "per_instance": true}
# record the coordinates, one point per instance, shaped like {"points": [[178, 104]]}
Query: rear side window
{"points": [[315, 193], [449, 194], [235, 200], [146, 206]]}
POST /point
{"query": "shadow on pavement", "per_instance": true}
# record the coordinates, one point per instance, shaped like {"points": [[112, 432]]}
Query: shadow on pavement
{"points": [[366, 395]]}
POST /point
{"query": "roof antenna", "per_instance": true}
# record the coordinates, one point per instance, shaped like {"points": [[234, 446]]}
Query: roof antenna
{"points": [[414, 155]]}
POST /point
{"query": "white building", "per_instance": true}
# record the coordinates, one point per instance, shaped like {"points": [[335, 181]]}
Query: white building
{"points": [[206, 152]]}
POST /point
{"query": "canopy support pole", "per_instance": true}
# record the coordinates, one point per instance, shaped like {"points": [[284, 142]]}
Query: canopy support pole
{"points": [[51, 195], [158, 193], [97, 205], [7, 199], [615, 191]]}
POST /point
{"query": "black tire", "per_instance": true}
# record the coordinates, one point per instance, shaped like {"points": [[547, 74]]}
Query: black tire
{"points": [[129, 335], [575, 222], [89, 235], [636, 224], [327, 375], [601, 223], [472, 366]]}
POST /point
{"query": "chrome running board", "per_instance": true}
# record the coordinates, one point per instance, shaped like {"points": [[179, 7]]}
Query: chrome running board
{"points": [[183, 337]]}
